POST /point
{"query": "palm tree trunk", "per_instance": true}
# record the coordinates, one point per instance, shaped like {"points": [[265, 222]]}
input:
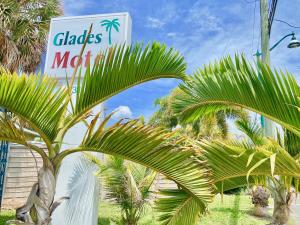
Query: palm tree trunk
{"points": [[282, 206], [39, 205]]}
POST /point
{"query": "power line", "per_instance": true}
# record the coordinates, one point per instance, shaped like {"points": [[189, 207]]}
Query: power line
{"points": [[282, 21], [252, 1], [272, 14]]}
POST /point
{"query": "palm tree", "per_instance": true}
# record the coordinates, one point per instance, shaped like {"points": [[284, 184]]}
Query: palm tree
{"points": [[209, 126], [275, 185], [126, 184], [129, 186], [109, 25], [254, 136], [24, 27], [42, 104], [274, 95]]}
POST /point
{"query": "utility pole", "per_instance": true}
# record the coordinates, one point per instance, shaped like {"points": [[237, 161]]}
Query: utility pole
{"points": [[264, 29], [265, 50]]}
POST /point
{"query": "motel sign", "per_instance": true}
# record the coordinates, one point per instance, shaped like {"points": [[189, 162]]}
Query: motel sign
{"points": [[67, 36]]}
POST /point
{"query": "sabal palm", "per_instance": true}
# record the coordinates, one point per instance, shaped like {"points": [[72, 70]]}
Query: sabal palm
{"points": [[109, 25], [42, 104], [24, 27], [273, 94]]}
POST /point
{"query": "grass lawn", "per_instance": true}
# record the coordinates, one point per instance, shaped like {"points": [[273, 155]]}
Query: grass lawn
{"points": [[6, 215], [235, 210]]}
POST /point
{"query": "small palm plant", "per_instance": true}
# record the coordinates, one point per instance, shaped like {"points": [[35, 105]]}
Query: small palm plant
{"points": [[129, 186], [124, 183], [282, 194], [109, 25], [42, 105]]}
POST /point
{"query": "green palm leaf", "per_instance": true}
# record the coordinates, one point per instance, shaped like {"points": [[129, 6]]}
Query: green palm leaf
{"points": [[273, 94], [252, 130], [123, 67], [177, 207], [147, 146], [291, 143], [35, 100], [17, 134], [229, 163]]}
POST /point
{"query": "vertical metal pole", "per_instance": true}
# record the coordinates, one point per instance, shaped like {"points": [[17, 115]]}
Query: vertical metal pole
{"points": [[265, 53], [4, 147], [262, 118]]}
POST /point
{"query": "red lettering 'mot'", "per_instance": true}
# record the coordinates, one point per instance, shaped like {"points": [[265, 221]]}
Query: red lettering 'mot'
{"points": [[58, 60]]}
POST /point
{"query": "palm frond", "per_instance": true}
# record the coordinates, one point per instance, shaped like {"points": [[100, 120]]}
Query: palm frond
{"points": [[10, 132], [147, 146], [123, 67], [291, 143], [35, 100], [177, 207], [17, 134], [237, 83], [252, 130], [122, 187], [232, 164]]}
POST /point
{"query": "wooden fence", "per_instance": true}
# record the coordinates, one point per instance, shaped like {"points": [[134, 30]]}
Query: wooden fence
{"points": [[21, 174]]}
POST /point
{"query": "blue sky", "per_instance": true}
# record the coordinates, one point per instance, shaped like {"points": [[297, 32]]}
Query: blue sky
{"points": [[201, 30]]}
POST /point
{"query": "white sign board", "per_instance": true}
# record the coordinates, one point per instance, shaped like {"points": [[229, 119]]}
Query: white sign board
{"points": [[67, 36]]}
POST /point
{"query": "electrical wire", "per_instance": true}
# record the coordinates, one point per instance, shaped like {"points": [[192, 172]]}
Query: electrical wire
{"points": [[272, 14], [282, 21], [253, 1]]}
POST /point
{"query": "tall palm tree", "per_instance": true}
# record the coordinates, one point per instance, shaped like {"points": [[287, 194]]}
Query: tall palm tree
{"points": [[24, 27], [42, 104], [270, 93], [109, 25]]}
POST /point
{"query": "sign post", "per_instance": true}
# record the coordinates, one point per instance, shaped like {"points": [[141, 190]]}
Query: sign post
{"points": [[66, 38]]}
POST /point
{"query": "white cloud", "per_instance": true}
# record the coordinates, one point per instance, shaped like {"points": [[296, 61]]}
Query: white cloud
{"points": [[204, 19], [122, 111], [167, 13], [154, 22], [172, 34]]}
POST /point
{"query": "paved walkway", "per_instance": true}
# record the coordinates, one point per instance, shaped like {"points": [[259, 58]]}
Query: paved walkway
{"points": [[296, 211]]}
